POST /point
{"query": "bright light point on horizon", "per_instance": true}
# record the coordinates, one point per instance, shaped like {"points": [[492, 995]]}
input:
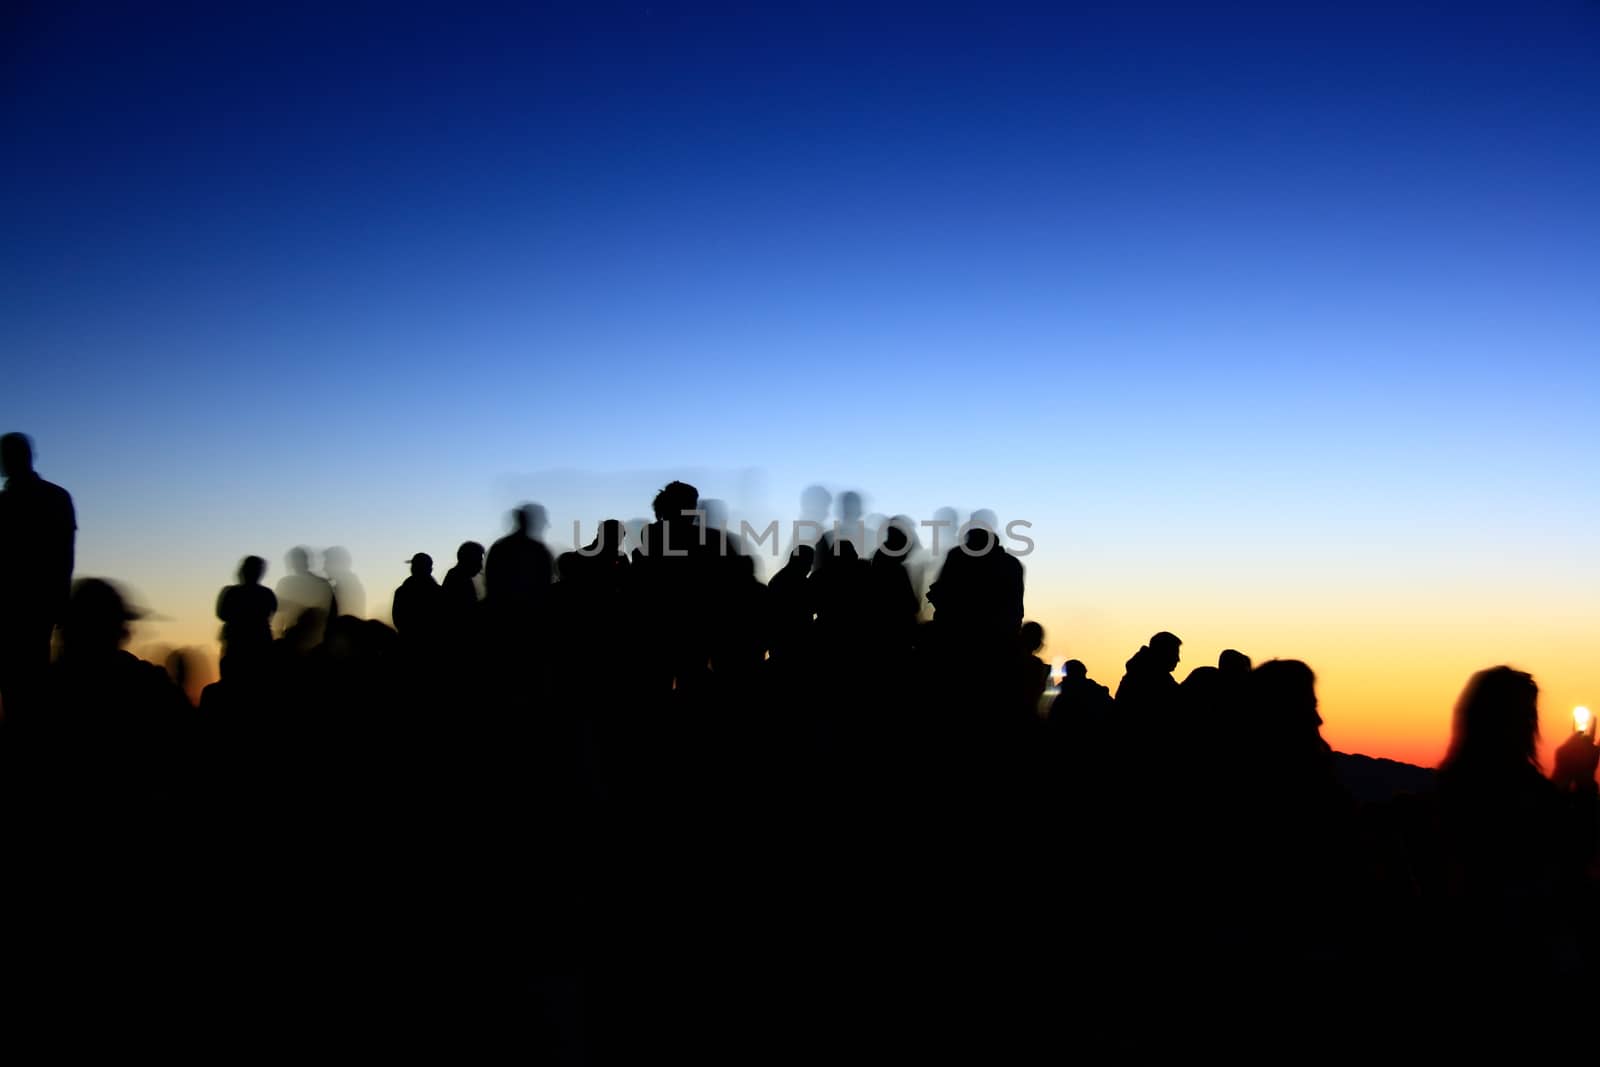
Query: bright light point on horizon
{"points": [[1581, 718]]}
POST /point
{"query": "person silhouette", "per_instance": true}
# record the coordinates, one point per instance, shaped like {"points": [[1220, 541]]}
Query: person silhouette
{"points": [[979, 591], [38, 530], [418, 602], [1148, 690], [301, 591], [792, 606], [1082, 706], [1033, 672], [894, 601], [246, 611], [460, 588], [518, 570], [348, 592]]}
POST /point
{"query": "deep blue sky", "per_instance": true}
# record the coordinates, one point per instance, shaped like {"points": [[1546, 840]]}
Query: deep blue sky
{"points": [[1190, 287]]}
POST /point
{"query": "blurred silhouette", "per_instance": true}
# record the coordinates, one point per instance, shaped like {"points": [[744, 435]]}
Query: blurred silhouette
{"points": [[518, 570], [1033, 674], [349, 595], [300, 591], [978, 593], [1501, 853], [38, 529], [246, 611], [418, 602]]}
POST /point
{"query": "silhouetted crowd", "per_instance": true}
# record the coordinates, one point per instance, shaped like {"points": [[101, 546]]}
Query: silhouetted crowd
{"points": [[572, 790]]}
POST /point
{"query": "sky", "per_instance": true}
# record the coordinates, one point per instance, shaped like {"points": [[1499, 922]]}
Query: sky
{"points": [[1278, 323]]}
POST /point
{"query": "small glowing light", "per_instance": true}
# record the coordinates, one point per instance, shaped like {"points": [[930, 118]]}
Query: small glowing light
{"points": [[1581, 718]]}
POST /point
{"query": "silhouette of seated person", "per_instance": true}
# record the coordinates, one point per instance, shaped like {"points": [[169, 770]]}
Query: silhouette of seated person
{"points": [[518, 571], [38, 528], [419, 603], [300, 591], [246, 611]]}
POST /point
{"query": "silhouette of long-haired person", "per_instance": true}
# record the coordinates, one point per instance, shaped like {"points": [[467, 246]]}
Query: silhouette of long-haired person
{"points": [[38, 530], [1033, 673], [518, 571], [348, 593], [1297, 884], [246, 611], [418, 603], [300, 591], [1511, 844]]}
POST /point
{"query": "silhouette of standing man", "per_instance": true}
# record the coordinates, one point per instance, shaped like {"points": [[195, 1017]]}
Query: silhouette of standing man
{"points": [[38, 530]]}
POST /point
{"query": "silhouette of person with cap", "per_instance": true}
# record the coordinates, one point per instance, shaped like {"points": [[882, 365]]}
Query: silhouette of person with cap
{"points": [[38, 530], [418, 601]]}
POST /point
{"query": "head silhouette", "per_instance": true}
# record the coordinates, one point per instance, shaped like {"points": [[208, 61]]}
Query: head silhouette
{"points": [[610, 537], [16, 455], [251, 568], [97, 618], [1074, 668], [1032, 637], [1287, 690], [674, 500], [895, 541], [1496, 722], [469, 557], [336, 558], [1232, 662], [299, 560], [1164, 647], [978, 540], [528, 520], [421, 564]]}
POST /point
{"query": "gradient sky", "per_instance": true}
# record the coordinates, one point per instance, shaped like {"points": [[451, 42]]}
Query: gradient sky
{"points": [[1279, 323]]}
